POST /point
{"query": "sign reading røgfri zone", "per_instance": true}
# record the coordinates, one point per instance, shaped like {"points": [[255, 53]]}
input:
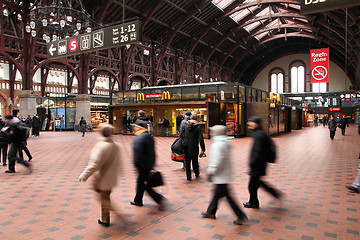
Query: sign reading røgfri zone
{"points": [[315, 6], [118, 35], [319, 64]]}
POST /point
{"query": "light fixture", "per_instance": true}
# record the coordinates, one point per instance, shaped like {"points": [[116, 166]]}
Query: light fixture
{"points": [[57, 20]]}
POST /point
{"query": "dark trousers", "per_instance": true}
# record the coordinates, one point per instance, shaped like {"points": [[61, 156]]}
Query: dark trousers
{"points": [[13, 158], [220, 191], [3, 150], [254, 184], [27, 152], [195, 165], [142, 186], [332, 134], [343, 131], [36, 131]]}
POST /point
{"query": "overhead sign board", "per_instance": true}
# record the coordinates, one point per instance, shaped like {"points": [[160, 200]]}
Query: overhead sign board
{"points": [[122, 34], [316, 6], [319, 63]]}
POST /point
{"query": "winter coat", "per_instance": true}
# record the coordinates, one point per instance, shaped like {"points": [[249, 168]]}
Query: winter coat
{"points": [[183, 124], [332, 125], [82, 125], [220, 160], [36, 122], [344, 123], [192, 136], [259, 152], [144, 150], [105, 159]]}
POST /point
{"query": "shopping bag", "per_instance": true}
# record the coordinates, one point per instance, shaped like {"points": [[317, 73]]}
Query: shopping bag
{"points": [[155, 179], [177, 157]]}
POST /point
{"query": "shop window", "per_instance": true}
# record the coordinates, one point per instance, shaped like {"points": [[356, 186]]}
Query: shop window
{"points": [[297, 76]]}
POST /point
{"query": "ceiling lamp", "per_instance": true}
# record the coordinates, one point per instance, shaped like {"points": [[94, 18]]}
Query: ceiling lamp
{"points": [[59, 19]]}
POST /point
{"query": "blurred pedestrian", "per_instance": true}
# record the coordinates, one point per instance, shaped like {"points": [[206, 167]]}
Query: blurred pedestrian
{"points": [[36, 124], [192, 136], [104, 164], [17, 135], [343, 124], [355, 187], [82, 126], [332, 127], [144, 161], [4, 142], [219, 173], [258, 163], [183, 124]]}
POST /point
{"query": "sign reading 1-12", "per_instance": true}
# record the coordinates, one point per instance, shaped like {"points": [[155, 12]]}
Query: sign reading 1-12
{"points": [[122, 34]]}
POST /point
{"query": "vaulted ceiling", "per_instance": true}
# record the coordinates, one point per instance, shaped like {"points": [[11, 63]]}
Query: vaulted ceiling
{"points": [[240, 35]]}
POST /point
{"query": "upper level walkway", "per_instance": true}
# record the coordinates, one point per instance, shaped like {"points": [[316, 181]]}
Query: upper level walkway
{"points": [[311, 170]]}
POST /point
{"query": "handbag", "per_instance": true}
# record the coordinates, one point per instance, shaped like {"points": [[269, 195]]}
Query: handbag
{"points": [[155, 179], [178, 157], [177, 146]]}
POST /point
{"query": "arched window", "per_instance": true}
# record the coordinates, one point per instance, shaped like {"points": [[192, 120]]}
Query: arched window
{"points": [[297, 76], [319, 87], [277, 80]]}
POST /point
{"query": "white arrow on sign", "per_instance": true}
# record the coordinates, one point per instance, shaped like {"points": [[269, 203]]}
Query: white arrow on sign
{"points": [[52, 49]]}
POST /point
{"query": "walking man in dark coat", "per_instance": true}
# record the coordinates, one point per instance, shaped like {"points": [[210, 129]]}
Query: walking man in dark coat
{"points": [[258, 163], [192, 136], [36, 124], [343, 124], [144, 161], [332, 127]]}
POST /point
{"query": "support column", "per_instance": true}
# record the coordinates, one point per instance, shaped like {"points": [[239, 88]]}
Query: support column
{"points": [[27, 103], [82, 108]]}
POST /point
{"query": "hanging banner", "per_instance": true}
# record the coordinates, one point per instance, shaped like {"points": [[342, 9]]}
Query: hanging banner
{"points": [[319, 64]]}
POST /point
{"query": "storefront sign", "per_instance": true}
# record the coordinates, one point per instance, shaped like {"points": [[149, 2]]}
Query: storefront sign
{"points": [[348, 116], [335, 109], [315, 6], [272, 105], [164, 95], [319, 63]]}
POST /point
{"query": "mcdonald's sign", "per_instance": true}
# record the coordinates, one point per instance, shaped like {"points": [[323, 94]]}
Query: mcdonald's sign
{"points": [[140, 97], [272, 105], [165, 95]]}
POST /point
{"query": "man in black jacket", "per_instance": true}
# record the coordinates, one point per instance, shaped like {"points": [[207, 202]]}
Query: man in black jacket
{"points": [[258, 163], [13, 131], [144, 161], [192, 136]]}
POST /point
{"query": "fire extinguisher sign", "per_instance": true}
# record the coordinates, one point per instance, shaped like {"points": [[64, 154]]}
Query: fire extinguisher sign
{"points": [[319, 63]]}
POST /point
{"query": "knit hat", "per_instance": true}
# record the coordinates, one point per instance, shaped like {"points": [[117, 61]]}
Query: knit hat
{"points": [[255, 119], [140, 123], [188, 113]]}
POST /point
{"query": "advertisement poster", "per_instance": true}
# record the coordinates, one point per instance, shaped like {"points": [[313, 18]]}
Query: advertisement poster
{"points": [[230, 127], [319, 63]]}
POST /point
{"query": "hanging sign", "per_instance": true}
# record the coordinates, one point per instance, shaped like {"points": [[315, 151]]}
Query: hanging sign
{"points": [[319, 63], [315, 6], [122, 34]]}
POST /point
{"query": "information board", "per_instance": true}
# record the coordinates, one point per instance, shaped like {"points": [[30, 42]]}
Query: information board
{"points": [[316, 6], [123, 34]]}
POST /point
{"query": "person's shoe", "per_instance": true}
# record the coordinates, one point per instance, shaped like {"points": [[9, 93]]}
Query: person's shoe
{"points": [[162, 204], [30, 159], [241, 221], [10, 171], [136, 204], [197, 176], [354, 189], [250, 205], [182, 167], [4, 164], [208, 215], [189, 179], [103, 223], [30, 168]]}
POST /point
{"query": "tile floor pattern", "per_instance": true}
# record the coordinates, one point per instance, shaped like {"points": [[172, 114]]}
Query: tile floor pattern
{"points": [[312, 171]]}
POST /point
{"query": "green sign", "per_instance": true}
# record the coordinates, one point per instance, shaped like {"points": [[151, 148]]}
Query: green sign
{"points": [[315, 6], [123, 34]]}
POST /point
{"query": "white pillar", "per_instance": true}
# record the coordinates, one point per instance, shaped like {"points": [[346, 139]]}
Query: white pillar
{"points": [[82, 108], [27, 103]]}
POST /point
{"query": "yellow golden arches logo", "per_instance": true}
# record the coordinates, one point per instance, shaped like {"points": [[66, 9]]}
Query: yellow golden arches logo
{"points": [[140, 97], [165, 95]]}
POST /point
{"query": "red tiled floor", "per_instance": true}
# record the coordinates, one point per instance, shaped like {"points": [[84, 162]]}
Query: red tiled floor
{"points": [[311, 170]]}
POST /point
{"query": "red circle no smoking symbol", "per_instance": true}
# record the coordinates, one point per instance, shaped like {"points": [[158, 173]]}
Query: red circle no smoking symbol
{"points": [[73, 45], [319, 73]]}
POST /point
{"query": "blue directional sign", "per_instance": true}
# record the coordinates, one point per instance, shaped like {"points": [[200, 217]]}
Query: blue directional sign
{"points": [[122, 34]]}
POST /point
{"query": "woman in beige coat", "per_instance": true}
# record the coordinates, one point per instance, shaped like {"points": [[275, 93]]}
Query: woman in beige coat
{"points": [[104, 164]]}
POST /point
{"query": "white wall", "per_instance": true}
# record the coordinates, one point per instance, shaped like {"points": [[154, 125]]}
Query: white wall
{"points": [[336, 74]]}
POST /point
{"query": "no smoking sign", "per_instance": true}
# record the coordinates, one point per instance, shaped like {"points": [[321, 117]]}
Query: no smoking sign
{"points": [[319, 73]]}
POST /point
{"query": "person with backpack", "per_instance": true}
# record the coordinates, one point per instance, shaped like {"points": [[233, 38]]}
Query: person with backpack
{"points": [[262, 152], [17, 134]]}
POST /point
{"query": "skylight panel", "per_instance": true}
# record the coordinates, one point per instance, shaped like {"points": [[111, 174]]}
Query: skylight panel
{"points": [[237, 16], [251, 26], [222, 4], [261, 35]]}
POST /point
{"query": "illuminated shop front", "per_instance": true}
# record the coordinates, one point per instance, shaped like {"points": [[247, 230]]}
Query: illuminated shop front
{"points": [[215, 103]]}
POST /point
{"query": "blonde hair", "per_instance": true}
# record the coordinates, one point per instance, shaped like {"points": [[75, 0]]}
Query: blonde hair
{"points": [[106, 129]]}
